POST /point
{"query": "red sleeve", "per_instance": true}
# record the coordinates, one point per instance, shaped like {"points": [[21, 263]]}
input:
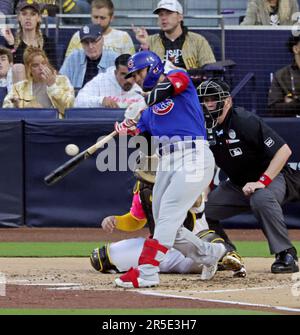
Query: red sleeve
{"points": [[179, 80]]}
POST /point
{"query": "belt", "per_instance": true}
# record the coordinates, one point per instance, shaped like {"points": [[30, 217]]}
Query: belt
{"points": [[168, 149]]}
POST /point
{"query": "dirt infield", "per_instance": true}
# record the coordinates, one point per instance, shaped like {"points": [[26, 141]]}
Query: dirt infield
{"points": [[72, 283]]}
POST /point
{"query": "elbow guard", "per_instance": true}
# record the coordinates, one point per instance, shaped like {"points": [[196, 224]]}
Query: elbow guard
{"points": [[179, 81]]}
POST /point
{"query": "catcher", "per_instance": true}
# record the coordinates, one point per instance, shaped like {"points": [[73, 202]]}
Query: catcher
{"points": [[122, 255]]}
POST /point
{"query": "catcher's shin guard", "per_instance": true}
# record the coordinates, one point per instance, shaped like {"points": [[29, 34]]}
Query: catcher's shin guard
{"points": [[100, 260], [210, 236]]}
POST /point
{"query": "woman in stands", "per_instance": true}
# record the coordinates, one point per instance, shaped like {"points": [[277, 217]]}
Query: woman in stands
{"points": [[42, 88], [29, 33], [270, 12]]}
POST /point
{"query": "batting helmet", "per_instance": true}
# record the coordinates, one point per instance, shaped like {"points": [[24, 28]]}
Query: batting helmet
{"points": [[216, 89], [150, 60]]}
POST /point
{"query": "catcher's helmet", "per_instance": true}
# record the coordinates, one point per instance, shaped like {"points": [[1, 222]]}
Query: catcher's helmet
{"points": [[217, 89], [146, 59], [146, 168]]}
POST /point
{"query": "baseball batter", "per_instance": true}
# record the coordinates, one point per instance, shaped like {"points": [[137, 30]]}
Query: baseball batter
{"points": [[121, 256], [173, 115]]}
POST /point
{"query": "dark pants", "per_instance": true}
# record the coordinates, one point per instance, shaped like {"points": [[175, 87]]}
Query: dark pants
{"points": [[228, 200]]}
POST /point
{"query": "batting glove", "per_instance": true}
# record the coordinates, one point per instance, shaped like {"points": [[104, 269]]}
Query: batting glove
{"points": [[133, 111], [127, 127]]}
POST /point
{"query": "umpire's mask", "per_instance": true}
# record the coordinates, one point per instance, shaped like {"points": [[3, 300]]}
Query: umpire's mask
{"points": [[216, 90]]}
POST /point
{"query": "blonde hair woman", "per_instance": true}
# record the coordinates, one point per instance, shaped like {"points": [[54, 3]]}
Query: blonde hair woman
{"points": [[43, 88], [270, 12], [29, 33]]}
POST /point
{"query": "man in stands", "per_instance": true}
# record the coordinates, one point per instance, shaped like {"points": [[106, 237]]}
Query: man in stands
{"points": [[84, 64], [110, 89], [284, 94], [102, 13], [6, 81], [174, 42]]}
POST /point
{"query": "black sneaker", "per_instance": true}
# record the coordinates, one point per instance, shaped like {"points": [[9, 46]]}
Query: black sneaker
{"points": [[285, 263]]}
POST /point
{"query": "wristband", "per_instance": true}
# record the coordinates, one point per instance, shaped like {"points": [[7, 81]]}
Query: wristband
{"points": [[264, 179]]}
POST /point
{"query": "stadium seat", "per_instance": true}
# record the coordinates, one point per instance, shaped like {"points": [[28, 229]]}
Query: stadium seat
{"points": [[28, 113], [95, 113]]}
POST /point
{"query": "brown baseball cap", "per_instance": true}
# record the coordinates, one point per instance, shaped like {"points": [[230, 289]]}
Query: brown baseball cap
{"points": [[28, 4]]}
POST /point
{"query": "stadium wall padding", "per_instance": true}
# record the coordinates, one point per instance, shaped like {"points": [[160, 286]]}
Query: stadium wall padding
{"points": [[11, 174], [32, 149]]}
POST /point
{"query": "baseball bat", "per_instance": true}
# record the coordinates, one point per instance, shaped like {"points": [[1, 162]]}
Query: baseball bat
{"points": [[72, 163]]}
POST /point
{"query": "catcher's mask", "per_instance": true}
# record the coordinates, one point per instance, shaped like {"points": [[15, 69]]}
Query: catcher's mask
{"points": [[218, 91], [146, 167]]}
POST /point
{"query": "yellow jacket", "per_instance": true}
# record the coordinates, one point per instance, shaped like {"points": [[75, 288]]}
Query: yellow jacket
{"points": [[61, 95], [196, 51]]}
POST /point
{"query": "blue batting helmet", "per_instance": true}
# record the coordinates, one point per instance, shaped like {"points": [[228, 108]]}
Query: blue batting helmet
{"points": [[150, 60]]}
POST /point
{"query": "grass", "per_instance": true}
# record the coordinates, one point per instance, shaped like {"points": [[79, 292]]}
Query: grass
{"points": [[204, 311], [83, 249]]}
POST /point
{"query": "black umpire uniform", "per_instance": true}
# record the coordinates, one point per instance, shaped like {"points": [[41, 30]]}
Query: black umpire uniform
{"points": [[243, 147]]}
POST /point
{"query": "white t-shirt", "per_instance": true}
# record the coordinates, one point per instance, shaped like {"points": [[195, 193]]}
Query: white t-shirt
{"points": [[106, 85]]}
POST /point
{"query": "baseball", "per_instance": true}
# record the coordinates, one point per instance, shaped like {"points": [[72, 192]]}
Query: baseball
{"points": [[71, 149]]}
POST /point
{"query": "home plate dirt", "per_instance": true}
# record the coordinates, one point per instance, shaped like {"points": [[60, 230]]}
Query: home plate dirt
{"points": [[72, 283]]}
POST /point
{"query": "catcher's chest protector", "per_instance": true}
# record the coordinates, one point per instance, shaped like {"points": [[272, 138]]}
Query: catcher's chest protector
{"points": [[145, 190]]}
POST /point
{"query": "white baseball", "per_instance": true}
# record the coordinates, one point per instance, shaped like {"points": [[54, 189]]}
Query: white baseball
{"points": [[71, 149]]}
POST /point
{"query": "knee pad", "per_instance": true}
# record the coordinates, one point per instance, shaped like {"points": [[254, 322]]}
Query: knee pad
{"points": [[210, 236], [100, 260]]}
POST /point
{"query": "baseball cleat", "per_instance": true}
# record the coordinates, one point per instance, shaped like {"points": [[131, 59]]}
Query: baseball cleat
{"points": [[232, 261], [141, 283], [132, 279], [208, 272]]}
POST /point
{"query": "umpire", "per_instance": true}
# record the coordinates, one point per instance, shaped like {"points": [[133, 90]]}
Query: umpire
{"points": [[253, 156]]}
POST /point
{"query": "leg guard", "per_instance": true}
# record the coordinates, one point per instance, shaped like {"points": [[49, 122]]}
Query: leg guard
{"points": [[210, 236], [100, 260]]}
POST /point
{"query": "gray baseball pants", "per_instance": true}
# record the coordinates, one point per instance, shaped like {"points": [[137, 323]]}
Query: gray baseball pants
{"points": [[228, 200], [180, 179]]}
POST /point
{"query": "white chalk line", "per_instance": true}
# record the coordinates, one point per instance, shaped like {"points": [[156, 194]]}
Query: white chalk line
{"points": [[234, 289], [230, 302], [78, 286]]}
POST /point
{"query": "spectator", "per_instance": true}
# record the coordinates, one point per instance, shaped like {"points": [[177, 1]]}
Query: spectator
{"points": [[102, 13], [43, 88], [174, 42], [29, 33], [270, 12], [110, 89], [84, 64], [6, 61], [284, 94]]}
